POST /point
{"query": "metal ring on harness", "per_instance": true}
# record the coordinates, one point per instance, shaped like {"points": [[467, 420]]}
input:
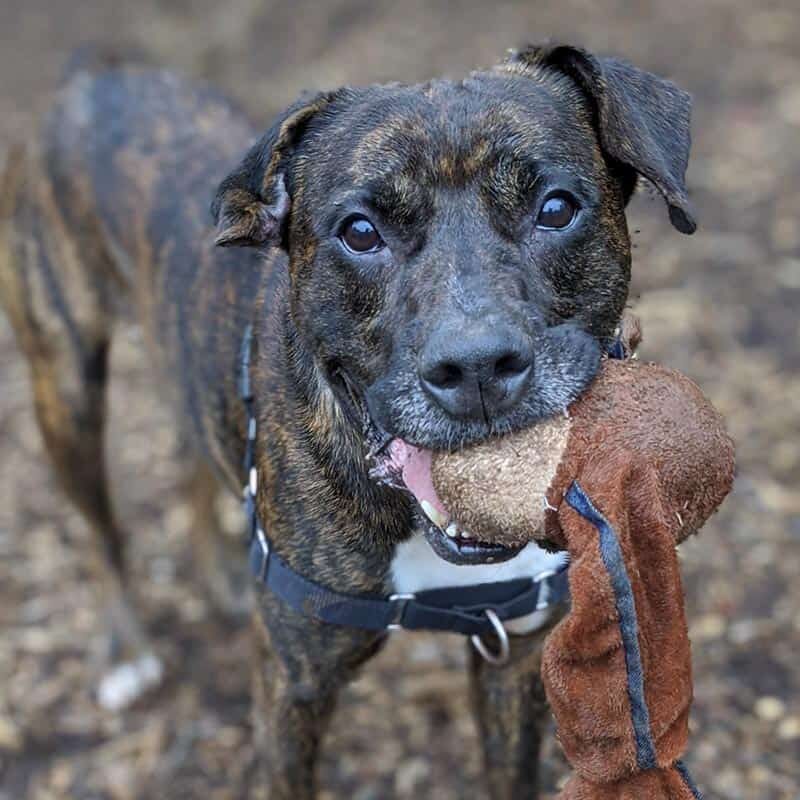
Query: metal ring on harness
{"points": [[501, 657]]}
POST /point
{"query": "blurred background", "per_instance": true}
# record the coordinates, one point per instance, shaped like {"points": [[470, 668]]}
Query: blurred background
{"points": [[722, 306]]}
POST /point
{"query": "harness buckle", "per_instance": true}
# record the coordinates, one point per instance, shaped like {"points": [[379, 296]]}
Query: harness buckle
{"points": [[264, 545], [499, 658], [403, 599]]}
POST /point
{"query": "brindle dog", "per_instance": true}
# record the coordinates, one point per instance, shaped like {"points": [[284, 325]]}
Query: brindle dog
{"points": [[447, 261]]}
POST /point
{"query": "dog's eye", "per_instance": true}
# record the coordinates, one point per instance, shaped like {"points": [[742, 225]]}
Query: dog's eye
{"points": [[359, 236], [557, 212]]}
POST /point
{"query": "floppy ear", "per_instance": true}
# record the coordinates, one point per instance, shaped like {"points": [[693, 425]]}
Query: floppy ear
{"points": [[643, 120], [252, 203]]}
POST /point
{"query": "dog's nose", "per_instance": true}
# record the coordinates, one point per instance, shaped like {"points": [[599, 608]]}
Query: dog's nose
{"points": [[478, 374]]}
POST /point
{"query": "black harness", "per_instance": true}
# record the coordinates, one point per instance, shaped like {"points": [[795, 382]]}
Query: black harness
{"points": [[474, 610]]}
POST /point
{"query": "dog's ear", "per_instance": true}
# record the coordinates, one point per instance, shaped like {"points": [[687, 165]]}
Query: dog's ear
{"points": [[252, 203], [642, 120]]}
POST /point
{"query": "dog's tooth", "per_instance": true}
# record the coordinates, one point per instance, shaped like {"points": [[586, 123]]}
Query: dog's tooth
{"points": [[428, 509], [464, 535], [434, 515], [452, 530]]}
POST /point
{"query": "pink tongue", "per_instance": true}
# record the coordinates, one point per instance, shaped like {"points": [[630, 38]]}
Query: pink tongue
{"points": [[415, 466]]}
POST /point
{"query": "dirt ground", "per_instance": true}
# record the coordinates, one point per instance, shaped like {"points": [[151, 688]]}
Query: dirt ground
{"points": [[721, 306]]}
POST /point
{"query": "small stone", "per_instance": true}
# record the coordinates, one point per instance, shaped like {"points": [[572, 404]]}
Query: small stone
{"points": [[785, 234], [729, 783], [789, 728], [769, 709], [706, 750], [787, 273], [709, 626], [410, 774], [61, 776], [788, 104], [743, 631], [178, 518], [759, 774], [10, 738]]}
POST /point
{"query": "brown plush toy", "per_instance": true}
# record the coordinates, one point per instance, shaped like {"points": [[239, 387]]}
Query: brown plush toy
{"points": [[637, 464]]}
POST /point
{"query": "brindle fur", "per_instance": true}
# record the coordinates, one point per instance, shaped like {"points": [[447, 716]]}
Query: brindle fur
{"points": [[107, 213]]}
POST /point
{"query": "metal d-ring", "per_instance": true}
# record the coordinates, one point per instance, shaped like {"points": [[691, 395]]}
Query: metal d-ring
{"points": [[501, 657]]}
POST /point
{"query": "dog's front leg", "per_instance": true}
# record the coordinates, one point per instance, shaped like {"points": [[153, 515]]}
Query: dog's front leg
{"points": [[511, 711], [300, 665]]}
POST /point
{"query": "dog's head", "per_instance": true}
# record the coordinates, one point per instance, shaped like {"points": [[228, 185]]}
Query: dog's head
{"points": [[458, 251]]}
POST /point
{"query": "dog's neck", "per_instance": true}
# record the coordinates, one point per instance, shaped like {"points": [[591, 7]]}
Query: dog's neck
{"points": [[322, 460]]}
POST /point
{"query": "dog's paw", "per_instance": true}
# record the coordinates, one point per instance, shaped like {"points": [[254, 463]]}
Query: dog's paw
{"points": [[127, 682]]}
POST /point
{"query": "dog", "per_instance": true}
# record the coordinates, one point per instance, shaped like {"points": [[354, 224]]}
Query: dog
{"points": [[420, 267]]}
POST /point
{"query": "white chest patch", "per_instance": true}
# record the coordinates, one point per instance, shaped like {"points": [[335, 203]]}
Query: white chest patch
{"points": [[415, 567]]}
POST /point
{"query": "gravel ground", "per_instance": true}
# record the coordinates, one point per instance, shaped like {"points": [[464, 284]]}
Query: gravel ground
{"points": [[722, 306]]}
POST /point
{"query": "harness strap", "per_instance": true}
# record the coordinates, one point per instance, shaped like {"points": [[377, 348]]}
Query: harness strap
{"points": [[459, 609]]}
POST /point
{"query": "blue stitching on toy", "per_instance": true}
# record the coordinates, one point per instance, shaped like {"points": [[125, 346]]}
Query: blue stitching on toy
{"points": [[629, 628], [616, 349], [687, 779]]}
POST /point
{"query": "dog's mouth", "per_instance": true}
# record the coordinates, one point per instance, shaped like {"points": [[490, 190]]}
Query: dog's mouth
{"points": [[396, 463], [407, 467]]}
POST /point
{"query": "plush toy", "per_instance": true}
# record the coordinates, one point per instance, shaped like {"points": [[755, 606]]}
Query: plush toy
{"points": [[634, 466]]}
